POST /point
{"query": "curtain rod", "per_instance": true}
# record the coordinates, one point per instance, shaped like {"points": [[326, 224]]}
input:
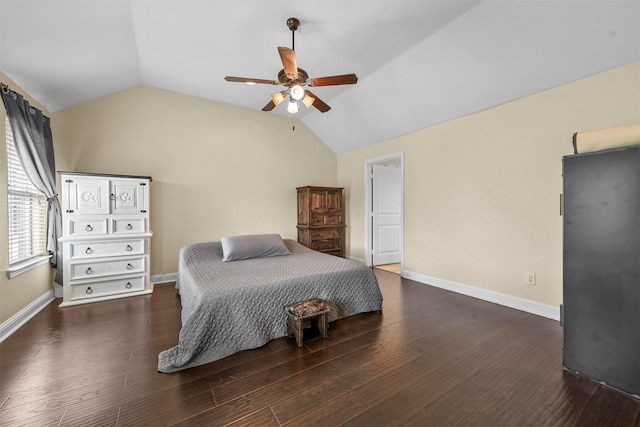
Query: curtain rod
{"points": [[5, 87]]}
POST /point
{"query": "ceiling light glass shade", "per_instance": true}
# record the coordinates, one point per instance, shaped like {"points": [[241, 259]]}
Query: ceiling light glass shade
{"points": [[296, 92], [251, 83], [308, 100], [277, 98], [292, 107]]}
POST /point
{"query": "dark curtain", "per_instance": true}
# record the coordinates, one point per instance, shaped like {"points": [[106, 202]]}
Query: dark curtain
{"points": [[34, 144]]}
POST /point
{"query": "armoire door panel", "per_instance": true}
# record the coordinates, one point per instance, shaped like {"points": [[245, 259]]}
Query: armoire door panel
{"points": [[88, 196]]}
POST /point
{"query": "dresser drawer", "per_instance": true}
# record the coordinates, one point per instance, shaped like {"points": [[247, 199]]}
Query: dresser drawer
{"points": [[108, 287], [98, 268], [87, 227], [104, 249], [325, 245], [129, 226], [331, 233], [326, 219]]}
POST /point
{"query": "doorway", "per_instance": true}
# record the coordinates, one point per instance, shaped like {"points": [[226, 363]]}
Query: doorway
{"points": [[384, 212]]}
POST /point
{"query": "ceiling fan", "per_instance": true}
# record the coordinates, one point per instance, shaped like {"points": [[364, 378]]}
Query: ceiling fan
{"points": [[294, 79]]}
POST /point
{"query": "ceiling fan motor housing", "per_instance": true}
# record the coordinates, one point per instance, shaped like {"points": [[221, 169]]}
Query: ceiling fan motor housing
{"points": [[286, 80]]}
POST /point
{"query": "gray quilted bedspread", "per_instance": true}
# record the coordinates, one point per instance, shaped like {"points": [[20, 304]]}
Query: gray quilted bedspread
{"points": [[239, 305]]}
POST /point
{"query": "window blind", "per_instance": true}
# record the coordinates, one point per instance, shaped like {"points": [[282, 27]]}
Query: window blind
{"points": [[27, 209]]}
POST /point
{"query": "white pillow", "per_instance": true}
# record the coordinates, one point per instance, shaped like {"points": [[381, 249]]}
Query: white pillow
{"points": [[249, 246]]}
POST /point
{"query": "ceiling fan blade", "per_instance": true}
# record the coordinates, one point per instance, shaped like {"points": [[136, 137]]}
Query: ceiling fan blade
{"points": [[318, 103], [288, 58], [250, 80], [343, 79], [270, 106]]}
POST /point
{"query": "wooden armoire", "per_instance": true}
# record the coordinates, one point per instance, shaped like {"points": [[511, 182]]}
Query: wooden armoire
{"points": [[321, 219]]}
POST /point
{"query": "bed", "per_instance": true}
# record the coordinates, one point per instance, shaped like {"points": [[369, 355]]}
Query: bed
{"points": [[232, 306]]}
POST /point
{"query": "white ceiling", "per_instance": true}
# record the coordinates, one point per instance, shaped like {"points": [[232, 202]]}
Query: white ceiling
{"points": [[419, 63]]}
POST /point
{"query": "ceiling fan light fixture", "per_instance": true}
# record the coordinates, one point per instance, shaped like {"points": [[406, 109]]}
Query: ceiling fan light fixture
{"points": [[292, 107], [296, 92], [251, 83], [278, 97], [308, 100]]}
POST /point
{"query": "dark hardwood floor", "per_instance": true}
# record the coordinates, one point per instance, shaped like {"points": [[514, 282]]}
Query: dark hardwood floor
{"points": [[431, 357]]}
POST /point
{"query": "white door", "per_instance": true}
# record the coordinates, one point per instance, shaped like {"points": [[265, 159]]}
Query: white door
{"points": [[386, 214]]}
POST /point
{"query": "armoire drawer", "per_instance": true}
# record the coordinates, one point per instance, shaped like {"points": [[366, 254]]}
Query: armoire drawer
{"points": [[330, 233], [128, 226], [79, 227], [98, 268], [79, 250], [326, 219], [107, 287], [325, 245]]}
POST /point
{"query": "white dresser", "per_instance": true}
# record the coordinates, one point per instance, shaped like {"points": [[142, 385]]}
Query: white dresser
{"points": [[106, 237]]}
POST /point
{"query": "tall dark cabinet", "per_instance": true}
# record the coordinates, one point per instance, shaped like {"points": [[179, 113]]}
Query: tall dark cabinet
{"points": [[321, 219], [601, 270]]}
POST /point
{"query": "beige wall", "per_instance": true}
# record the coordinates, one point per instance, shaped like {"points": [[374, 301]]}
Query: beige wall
{"points": [[217, 169], [482, 192], [16, 293]]}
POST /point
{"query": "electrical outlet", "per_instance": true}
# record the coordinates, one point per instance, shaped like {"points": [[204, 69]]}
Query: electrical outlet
{"points": [[530, 278]]}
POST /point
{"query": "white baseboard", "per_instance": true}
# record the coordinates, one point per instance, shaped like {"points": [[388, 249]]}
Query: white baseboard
{"points": [[16, 321], [20, 318], [164, 278], [483, 294]]}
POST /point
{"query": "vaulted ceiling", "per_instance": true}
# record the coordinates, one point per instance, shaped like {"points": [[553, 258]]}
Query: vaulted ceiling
{"points": [[419, 63]]}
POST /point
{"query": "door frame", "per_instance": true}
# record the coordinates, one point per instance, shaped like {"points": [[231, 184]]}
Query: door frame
{"points": [[368, 200]]}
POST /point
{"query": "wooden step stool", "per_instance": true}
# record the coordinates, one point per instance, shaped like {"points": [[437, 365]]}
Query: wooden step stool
{"points": [[313, 309]]}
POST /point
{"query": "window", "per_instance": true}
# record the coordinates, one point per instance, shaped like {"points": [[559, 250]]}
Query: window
{"points": [[27, 212]]}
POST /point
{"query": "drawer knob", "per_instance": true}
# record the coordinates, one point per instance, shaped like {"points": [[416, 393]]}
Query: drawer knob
{"points": [[88, 228], [129, 227], [129, 266], [128, 285], [89, 290], [89, 271], [88, 251], [128, 248]]}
